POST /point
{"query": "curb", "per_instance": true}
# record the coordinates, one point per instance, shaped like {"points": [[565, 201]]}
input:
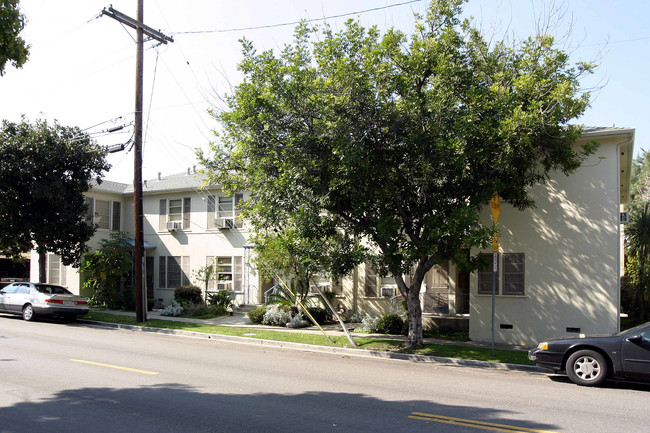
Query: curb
{"points": [[314, 348]]}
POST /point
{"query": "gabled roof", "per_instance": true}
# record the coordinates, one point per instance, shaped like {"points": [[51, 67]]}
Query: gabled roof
{"points": [[174, 182]]}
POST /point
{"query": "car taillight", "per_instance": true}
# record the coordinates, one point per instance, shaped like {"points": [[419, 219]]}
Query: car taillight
{"points": [[82, 302], [54, 301]]}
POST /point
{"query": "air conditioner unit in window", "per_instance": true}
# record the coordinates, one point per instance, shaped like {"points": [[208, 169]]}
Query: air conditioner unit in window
{"points": [[388, 292], [225, 223], [624, 218], [172, 226]]}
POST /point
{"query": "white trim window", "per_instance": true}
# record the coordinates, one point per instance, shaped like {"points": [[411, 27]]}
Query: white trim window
{"points": [[225, 212], [176, 210], [514, 270], [510, 276], [229, 273], [56, 270], [486, 275], [106, 214], [173, 271], [370, 281]]}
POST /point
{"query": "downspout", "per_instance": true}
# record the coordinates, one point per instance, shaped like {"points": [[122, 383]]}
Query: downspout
{"points": [[619, 247]]}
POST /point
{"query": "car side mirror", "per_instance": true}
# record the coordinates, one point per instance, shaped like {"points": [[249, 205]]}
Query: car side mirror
{"points": [[635, 339]]}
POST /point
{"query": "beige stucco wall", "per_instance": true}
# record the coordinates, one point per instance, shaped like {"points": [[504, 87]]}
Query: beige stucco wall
{"points": [[571, 245]]}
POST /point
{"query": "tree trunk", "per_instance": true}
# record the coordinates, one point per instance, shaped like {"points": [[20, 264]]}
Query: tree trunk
{"points": [[412, 295], [415, 339]]}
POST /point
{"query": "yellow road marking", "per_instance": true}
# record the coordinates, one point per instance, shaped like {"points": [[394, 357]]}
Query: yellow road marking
{"points": [[473, 423], [117, 367]]}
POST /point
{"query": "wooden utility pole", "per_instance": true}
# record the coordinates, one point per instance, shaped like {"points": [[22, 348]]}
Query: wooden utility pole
{"points": [[138, 25]]}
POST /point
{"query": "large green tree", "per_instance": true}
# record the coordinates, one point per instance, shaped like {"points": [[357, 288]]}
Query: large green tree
{"points": [[45, 171], [400, 141], [12, 47]]}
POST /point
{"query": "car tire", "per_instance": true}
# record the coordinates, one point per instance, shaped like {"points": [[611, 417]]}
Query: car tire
{"points": [[28, 312], [586, 368]]}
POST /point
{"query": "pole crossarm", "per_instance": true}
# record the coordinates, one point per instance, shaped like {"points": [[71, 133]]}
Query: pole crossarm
{"points": [[135, 24]]}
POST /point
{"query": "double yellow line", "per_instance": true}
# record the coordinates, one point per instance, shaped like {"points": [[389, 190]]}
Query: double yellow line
{"points": [[483, 425]]}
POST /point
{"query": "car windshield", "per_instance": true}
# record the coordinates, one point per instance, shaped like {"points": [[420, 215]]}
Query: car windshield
{"points": [[52, 290]]}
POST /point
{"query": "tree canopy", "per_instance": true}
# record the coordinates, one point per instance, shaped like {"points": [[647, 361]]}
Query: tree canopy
{"points": [[12, 47], [400, 141], [45, 171]]}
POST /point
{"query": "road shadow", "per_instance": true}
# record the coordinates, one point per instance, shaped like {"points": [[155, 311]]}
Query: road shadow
{"points": [[609, 384], [177, 408]]}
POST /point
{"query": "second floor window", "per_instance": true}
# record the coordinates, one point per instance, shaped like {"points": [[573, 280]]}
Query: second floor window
{"points": [[175, 211], [105, 214], [225, 212]]}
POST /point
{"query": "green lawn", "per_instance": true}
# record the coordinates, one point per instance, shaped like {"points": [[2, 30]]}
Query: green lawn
{"points": [[368, 343]]}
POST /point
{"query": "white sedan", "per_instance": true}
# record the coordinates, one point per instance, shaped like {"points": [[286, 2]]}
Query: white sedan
{"points": [[36, 299]]}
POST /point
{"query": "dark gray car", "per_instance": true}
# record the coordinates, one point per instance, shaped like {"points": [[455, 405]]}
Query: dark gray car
{"points": [[590, 360], [37, 299]]}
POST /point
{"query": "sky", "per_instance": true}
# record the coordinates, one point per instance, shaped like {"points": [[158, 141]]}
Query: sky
{"points": [[81, 69]]}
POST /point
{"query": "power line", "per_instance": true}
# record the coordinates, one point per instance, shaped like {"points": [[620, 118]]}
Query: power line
{"points": [[293, 23]]}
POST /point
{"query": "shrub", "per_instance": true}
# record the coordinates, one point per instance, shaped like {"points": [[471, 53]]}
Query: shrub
{"points": [[173, 309], [192, 309], [222, 298], [218, 310], [352, 316], [390, 324], [188, 294], [257, 314], [297, 322], [369, 323], [277, 315], [319, 314]]}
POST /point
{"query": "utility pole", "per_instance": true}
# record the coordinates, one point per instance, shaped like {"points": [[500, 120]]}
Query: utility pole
{"points": [[142, 29]]}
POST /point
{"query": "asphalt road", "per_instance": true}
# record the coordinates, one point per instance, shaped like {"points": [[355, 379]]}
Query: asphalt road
{"points": [[58, 377]]}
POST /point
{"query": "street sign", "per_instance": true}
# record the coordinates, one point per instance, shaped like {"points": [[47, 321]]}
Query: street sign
{"points": [[495, 205], [495, 243]]}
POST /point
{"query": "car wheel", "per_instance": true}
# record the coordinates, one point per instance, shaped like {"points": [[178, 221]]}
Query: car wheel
{"points": [[587, 368], [28, 312]]}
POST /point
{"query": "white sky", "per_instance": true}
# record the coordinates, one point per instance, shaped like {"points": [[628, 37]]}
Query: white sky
{"points": [[81, 69]]}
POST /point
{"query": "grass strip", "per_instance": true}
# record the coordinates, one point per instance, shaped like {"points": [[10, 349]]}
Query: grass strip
{"points": [[367, 343]]}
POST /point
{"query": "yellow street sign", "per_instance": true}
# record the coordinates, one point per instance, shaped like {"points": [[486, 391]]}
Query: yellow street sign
{"points": [[495, 243], [495, 205]]}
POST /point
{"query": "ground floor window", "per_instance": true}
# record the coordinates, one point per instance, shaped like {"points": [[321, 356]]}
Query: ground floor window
{"points": [[486, 275], [510, 275], [228, 273], [173, 271], [513, 273], [55, 270], [370, 281]]}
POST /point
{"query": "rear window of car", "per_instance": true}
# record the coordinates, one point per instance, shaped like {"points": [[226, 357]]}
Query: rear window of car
{"points": [[52, 290]]}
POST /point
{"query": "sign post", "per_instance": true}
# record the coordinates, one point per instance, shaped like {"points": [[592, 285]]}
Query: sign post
{"points": [[495, 206]]}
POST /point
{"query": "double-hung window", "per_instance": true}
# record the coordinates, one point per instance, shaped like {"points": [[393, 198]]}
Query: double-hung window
{"points": [[370, 281], [225, 212], [486, 276], [513, 273], [56, 271], [228, 273], [173, 271], [174, 213], [106, 214], [510, 275]]}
